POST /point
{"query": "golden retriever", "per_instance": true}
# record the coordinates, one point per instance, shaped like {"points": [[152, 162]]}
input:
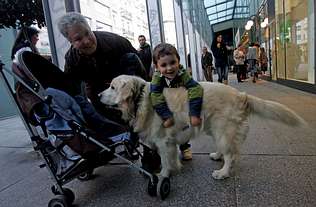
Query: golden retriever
{"points": [[225, 113]]}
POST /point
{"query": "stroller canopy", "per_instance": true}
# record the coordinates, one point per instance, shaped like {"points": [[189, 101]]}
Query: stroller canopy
{"points": [[39, 69]]}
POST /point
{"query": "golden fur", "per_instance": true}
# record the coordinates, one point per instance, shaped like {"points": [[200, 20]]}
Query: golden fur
{"points": [[225, 113]]}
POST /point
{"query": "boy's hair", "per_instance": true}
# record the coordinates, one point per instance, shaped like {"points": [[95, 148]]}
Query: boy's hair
{"points": [[143, 36], [163, 49]]}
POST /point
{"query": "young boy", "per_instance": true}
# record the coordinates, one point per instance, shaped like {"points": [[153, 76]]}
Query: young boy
{"points": [[169, 73]]}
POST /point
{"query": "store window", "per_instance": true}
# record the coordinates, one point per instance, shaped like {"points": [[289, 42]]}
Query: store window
{"points": [[297, 41], [294, 40], [100, 26]]}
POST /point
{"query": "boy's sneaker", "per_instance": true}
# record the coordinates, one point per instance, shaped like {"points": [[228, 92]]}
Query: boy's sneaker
{"points": [[186, 154]]}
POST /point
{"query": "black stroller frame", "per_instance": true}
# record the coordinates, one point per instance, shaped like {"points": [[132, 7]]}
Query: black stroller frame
{"points": [[82, 169]]}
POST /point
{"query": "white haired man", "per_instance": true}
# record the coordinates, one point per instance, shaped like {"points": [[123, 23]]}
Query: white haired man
{"points": [[95, 58]]}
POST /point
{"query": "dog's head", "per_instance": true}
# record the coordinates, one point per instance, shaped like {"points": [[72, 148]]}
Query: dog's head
{"points": [[123, 93]]}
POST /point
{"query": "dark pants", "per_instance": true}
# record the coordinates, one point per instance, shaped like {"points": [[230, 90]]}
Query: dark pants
{"points": [[222, 72], [240, 71], [208, 73], [244, 72]]}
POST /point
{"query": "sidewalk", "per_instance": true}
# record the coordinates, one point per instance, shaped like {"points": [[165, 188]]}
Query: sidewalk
{"points": [[277, 167]]}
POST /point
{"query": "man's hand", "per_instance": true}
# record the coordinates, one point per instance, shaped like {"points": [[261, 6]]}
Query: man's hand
{"points": [[195, 121], [168, 123]]}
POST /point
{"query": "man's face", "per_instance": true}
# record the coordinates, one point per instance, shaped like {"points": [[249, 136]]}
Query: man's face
{"points": [[204, 50], [82, 39], [168, 65], [142, 40]]}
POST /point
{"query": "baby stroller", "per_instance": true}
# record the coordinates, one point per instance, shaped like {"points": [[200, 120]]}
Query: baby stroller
{"points": [[69, 146]]}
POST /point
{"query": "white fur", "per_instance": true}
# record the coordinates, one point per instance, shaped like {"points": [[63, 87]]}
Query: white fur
{"points": [[225, 113]]}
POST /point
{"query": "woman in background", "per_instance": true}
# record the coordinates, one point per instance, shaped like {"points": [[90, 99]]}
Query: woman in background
{"points": [[219, 50], [25, 41]]}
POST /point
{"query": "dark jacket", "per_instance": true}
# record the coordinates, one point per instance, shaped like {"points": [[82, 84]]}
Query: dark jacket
{"points": [[220, 54], [206, 60], [111, 59], [145, 55]]}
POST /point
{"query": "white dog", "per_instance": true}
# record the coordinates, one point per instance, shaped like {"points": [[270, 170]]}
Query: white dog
{"points": [[225, 113]]}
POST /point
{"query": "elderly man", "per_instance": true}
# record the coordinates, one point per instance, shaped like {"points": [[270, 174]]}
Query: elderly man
{"points": [[95, 58]]}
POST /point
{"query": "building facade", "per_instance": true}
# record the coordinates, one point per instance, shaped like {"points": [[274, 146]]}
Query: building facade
{"points": [[123, 17]]}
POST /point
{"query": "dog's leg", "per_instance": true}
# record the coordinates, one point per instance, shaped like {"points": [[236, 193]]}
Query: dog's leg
{"points": [[217, 156], [169, 157], [224, 172], [225, 139]]}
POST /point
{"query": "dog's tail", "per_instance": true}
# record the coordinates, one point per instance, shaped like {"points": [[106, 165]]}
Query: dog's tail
{"points": [[274, 111]]}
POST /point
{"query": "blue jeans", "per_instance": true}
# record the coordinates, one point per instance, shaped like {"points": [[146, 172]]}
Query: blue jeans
{"points": [[222, 72], [253, 66]]}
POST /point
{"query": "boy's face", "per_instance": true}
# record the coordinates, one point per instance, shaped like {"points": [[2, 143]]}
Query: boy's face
{"points": [[168, 65]]}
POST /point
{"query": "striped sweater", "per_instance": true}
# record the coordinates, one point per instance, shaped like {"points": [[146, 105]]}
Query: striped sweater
{"points": [[159, 82]]}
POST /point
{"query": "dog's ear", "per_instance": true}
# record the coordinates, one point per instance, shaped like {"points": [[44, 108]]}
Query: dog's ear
{"points": [[131, 89], [125, 91]]}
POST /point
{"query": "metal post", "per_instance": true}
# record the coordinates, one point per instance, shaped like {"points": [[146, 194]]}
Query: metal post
{"points": [[52, 11], [155, 22], [180, 31]]}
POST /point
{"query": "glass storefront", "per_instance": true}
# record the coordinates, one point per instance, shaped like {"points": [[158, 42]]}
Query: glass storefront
{"points": [[294, 40]]}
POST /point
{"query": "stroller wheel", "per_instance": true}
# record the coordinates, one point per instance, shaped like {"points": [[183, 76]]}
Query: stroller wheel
{"points": [[86, 175], [67, 193], [164, 188], [58, 201], [70, 196], [152, 186]]}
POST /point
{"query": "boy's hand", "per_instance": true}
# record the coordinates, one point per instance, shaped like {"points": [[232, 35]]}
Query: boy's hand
{"points": [[195, 121], [168, 123]]}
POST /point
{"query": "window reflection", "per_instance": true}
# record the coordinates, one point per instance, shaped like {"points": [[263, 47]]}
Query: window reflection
{"points": [[294, 42]]}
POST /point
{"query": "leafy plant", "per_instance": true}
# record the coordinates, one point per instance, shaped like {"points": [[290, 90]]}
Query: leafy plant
{"points": [[21, 13]]}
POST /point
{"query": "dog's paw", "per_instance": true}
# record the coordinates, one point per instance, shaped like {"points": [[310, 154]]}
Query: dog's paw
{"points": [[216, 156], [219, 174]]}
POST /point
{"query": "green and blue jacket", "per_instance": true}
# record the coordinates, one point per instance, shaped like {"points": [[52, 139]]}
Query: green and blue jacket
{"points": [[159, 82]]}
